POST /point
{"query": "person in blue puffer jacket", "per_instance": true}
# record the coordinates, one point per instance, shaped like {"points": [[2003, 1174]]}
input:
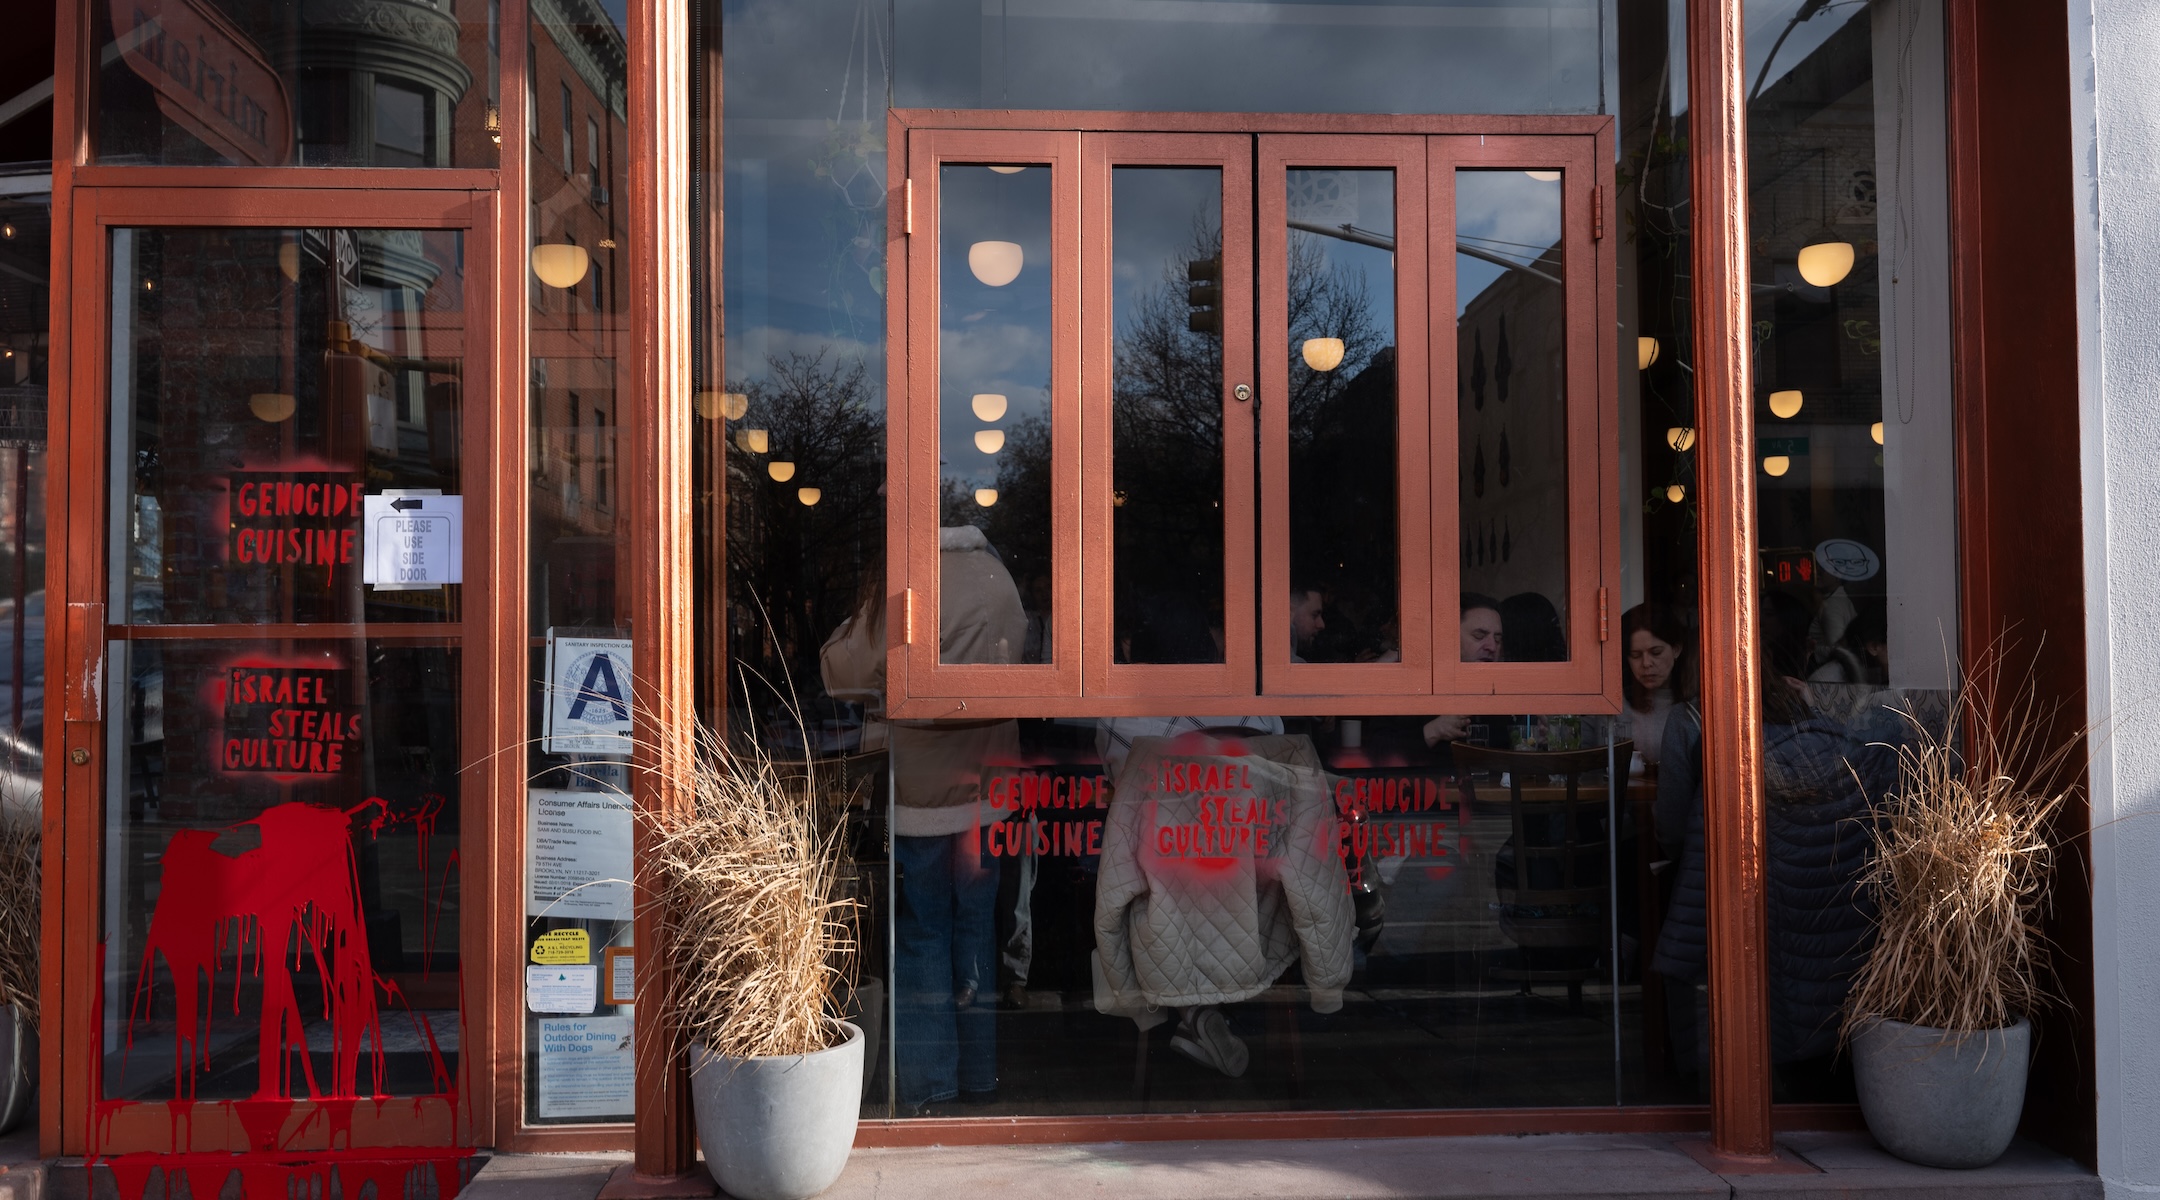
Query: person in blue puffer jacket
{"points": [[1822, 778]]}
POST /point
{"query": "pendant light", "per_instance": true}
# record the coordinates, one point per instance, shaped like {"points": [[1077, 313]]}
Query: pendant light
{"points": [[1681, 438], [1785, 404], [1676, 493], [781, 470], [560, 264], [1875, 431], [272, 407], [986, 496], [989, 441], [753, 441], [1322, 354], [1646, 352], [1776, 465], [809, 496], [996, 263], [1826, 263], [714, 405], [988, 406]]}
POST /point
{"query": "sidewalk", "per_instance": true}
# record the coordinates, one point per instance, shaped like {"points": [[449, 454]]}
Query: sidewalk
{"points": [[1821, 1166]]}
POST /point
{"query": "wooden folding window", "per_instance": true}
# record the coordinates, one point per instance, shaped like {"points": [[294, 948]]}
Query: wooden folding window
{"points": [[1173, 367]]}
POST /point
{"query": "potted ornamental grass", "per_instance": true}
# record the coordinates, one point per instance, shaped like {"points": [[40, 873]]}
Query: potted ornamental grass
{"points": [[20, 847], [1939, 1016], [756, 889]]}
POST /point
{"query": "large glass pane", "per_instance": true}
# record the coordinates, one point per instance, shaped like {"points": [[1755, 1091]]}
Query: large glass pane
{"points": [[1265, 56], [282, 804], [25, 248], [1345, 547], [578, 933], [253, 83], [1511, 415], [994, 387], [1166, 421]]}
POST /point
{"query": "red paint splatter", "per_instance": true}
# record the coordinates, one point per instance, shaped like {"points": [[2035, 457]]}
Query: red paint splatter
{"points": [[289, 902]]}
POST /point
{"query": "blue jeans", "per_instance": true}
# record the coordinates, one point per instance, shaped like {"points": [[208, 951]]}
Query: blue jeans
{"points": [[945, 949]]}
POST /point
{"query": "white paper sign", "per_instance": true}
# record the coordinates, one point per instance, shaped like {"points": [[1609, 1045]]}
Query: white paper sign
{"points": [[587, 1068], [562, 989], [588, 710], [413, 541], [577, 854]]}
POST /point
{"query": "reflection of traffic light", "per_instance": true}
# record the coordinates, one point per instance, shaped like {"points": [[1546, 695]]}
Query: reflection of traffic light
{"points": [[1203, 292]]}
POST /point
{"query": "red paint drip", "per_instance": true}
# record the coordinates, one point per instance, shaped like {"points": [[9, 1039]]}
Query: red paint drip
{"points": [[290, 902]]}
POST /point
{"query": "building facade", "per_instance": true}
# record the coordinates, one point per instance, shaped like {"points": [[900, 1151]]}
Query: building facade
{"points": [[1348, 568]]}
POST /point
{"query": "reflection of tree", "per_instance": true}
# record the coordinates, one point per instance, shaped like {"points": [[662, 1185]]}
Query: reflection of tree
{"points": [[806, 564], [1343, 533], [1167, 459], [1327, 302]]}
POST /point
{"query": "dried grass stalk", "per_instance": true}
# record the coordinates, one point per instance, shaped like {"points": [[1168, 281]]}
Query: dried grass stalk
{"points": [[20, 850], [755, 884], [1960, 864]]}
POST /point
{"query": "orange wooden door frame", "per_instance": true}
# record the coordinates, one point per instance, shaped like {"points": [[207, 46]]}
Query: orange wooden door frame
{"points": [[80, 434]]}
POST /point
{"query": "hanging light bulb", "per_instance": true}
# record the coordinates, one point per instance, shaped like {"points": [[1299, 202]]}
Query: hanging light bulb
{"points": [[272, 407], [809, 496], [780, 469], [753, 441], [1785, 404], [1826, 263], [1776, 464], [1676, 493], [995, 263], [1875, 431], [988, 406], [1323, 354], [989, 441], [712, 405], [986, 496], [1681, 438], [1646, 351], [560, 264]]}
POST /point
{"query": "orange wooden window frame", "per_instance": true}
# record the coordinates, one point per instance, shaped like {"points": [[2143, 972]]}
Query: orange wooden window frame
{"points": [[1257, 676]]}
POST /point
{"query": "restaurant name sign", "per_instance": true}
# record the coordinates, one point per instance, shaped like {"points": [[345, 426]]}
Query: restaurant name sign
{"points": [[210, 78]]}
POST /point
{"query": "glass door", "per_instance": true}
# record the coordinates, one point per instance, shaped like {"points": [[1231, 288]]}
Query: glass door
{"points": [[296, 431]]}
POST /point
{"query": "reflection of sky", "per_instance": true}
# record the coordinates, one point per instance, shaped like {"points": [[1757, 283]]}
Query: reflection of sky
{"points": [[1506, 213], [1365, 199], [1158, 215], [991, 339], [1237, 55]]}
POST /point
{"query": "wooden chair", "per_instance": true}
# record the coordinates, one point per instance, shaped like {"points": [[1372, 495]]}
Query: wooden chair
{"points": [[1558, 896]]}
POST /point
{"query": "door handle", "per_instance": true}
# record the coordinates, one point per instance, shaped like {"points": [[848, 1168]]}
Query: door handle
{"points": [[84, 686]]}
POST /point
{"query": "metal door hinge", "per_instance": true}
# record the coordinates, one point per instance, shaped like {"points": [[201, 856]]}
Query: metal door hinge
{"points": [[907, 616], [1604, 618], [907, 209], [1597, 212]]}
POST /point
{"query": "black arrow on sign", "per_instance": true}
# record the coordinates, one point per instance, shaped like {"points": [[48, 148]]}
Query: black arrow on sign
{"points": [[404, 502]]}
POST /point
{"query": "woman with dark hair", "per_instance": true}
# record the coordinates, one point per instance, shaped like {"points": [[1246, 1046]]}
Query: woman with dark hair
{"points": [[1660, 674], [1530, 629]]}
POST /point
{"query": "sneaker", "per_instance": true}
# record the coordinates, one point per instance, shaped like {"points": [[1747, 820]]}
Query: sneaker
{"points": [[1205, 1038]]}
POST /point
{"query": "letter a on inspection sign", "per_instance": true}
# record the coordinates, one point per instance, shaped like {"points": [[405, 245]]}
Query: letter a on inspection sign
{"points": [[588, 708]]}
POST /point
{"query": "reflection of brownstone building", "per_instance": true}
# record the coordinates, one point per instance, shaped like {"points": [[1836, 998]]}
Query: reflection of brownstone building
{"points": [[1512, 414]]}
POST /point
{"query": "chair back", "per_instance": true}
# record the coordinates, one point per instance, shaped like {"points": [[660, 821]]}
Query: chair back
{"points": [[1556, 893]]}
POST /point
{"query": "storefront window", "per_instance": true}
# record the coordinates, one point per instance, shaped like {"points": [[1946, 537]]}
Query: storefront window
{"points": [[26, 248], [369, 83], [577, 903], [1456, 900]]}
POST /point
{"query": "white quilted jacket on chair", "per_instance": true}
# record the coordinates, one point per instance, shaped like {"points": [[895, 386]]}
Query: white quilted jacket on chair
{"points": [[1174, 932]]}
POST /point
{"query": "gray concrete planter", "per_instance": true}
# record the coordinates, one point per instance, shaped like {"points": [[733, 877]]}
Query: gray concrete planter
{"points": [[778, 1128], [1942, 1099]]}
